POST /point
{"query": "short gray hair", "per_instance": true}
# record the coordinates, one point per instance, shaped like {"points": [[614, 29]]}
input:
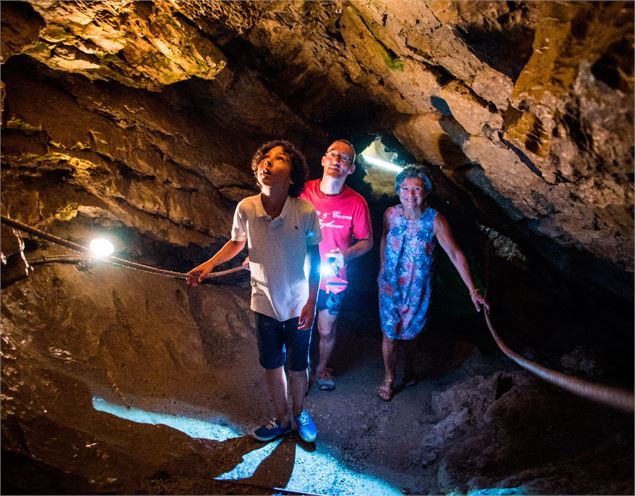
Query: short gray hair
{"points": [[415, 170], [346, 142]]}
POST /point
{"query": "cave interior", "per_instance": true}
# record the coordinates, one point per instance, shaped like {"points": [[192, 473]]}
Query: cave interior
{"points": [[137, 121]]}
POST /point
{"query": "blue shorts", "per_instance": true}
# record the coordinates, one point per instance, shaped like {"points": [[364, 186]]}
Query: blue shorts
{"points": [[276, 338], [330, 301]]}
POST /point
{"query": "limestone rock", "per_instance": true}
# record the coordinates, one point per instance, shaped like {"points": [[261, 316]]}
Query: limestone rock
{"points": [[14, 264], [141, 45], [140, 119], [529, 103]]}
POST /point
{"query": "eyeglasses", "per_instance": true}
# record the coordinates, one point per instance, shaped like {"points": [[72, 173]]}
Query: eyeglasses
{"points": [[335, 155]]}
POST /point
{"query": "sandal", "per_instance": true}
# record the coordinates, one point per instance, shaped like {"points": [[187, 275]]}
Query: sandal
{"points": [[385, 391]]}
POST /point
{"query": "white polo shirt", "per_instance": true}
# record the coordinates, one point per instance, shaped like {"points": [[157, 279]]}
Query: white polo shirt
{"points": [[277, 253]]}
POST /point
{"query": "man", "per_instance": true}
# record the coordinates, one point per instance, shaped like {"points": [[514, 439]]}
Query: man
{"points": [[280, 232], [346, 234]]}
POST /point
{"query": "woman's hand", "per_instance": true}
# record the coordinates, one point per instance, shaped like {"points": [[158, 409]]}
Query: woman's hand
{"points": [[478, 299]]}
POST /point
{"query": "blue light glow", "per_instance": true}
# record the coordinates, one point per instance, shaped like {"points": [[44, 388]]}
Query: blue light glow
{"points": [[313, 472], [217, 429], [319, 472], [497, 491]]}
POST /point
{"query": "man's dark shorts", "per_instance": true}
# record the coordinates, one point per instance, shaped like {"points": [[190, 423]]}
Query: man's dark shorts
{"points": [[330, 301], [276, 339]]}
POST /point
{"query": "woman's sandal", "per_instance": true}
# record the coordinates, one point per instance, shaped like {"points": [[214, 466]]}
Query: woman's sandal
{"points": [[385, 391]]}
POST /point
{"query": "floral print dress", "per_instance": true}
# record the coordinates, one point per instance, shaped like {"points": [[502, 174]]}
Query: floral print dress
{"points": [[405, 280]]}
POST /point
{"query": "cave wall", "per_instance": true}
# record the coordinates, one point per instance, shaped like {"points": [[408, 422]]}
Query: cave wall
{"points": [[78, 342], [146, 114], [140, 118]]}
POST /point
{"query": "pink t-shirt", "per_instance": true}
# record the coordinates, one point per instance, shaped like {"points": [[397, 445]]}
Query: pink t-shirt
{"points": [[344, 218]]}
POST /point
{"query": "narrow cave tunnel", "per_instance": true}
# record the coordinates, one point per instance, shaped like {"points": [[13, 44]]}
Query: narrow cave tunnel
{"points": [[136, 122]]}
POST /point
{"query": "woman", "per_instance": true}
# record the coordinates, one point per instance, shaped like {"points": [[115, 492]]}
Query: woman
{"points": [[405, 276]]}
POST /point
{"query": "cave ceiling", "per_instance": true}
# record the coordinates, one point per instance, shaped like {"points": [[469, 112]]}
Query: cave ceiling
{"points": [[147, 113]]}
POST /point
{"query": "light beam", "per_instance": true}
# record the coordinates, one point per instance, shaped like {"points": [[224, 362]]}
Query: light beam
{"points": [[389, 166]]}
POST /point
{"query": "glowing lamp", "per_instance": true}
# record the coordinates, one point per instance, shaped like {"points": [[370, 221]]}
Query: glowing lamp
{"points": [[327, 271], [101, 247]]}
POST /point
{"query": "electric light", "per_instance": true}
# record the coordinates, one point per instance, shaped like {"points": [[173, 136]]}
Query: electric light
{"points": [[101, 247], [327, 271]]}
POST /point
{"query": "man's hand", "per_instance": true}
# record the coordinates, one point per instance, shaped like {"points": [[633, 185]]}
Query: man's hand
{"points": [[336, 258]]}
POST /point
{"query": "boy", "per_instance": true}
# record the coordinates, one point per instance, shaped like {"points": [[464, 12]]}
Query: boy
{"points": [[280, 230]]}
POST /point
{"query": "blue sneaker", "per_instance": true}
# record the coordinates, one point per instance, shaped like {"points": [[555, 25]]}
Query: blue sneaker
{"points": [[306, 427], [271, 431]]}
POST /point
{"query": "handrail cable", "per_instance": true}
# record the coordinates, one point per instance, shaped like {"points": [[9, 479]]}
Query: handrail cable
{"points": [[615, 397], [619, 398], [109, 259]]}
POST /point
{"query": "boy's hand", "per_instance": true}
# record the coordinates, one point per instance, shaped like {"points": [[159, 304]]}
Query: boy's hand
{"points": [[197, 274], [307, 315]]}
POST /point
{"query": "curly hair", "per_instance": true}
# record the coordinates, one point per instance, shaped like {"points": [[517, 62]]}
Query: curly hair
{"points": [[415, 170], [299, 166]]}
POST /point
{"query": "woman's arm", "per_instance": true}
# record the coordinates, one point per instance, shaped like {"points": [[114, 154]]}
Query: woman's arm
{"points": [[444, 234]]}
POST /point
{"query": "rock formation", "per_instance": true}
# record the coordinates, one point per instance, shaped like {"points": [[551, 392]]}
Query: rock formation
{"points": [[528, 106], [140, 118]]}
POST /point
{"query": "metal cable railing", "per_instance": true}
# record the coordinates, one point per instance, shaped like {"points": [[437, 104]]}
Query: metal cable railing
{"points": [[607, 395], [108, 259]]}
